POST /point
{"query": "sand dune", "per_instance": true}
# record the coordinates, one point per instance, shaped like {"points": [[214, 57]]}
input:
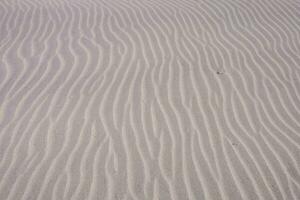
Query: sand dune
{"points": [[149, 99]]}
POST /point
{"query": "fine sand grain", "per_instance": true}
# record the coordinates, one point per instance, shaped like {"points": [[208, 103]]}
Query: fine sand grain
{"points": [[149, 99]]}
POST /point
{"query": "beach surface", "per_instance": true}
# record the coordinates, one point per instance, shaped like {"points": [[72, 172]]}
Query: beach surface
{"points": [[149, 100]]}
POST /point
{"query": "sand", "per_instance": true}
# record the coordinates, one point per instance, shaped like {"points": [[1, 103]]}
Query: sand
{"points": [[149, 99]]}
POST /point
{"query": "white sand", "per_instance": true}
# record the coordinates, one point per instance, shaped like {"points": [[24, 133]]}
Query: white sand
{"points": [[150, 99]]}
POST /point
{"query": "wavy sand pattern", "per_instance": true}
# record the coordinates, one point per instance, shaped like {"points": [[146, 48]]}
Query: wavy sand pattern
{"points": [[149, 99]]}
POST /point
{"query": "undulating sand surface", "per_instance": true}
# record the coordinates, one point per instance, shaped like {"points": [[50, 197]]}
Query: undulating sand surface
{"points": [[149, 99]]}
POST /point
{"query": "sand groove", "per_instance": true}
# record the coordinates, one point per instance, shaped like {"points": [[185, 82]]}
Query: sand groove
{"points": [[149, 99]]}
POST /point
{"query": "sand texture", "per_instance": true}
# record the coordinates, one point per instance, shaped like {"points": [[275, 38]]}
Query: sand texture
{"points": [[149, 100]]}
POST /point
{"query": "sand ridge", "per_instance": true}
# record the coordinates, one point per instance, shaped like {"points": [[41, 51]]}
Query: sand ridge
{"points": [[149, 99]]}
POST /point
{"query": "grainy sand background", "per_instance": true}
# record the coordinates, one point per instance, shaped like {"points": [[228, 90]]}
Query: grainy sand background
{"points": [[149, 99]]}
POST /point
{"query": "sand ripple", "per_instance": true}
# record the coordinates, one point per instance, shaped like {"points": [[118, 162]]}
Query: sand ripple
{"points": [[149, 99]]}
